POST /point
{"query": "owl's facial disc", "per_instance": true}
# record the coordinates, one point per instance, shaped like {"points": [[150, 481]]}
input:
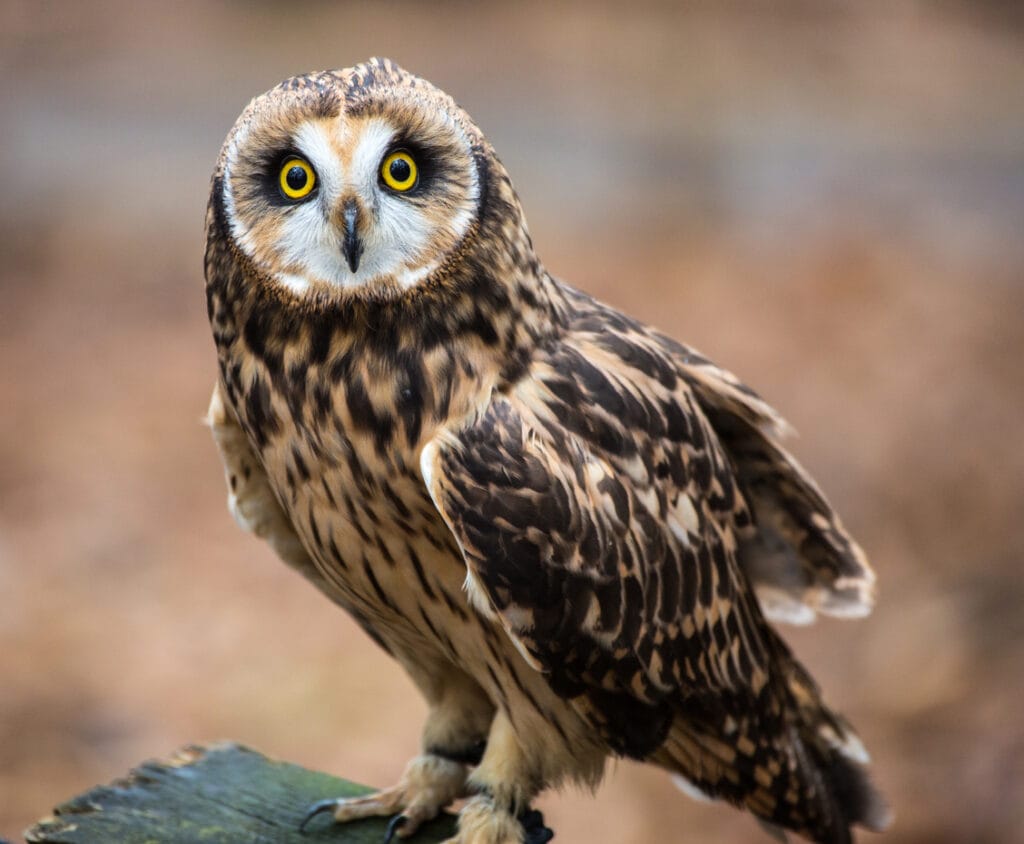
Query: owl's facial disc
{"points": [[378, 201]]}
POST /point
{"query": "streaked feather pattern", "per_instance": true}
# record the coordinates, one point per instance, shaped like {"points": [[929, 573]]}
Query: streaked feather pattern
{"points": [[799, 556]]}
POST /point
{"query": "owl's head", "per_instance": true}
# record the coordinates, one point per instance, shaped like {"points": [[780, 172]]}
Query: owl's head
{"points": [[367, 181]]}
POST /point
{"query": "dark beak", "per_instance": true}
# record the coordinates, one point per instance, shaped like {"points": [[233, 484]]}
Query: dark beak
{"points": [[352, 246]]}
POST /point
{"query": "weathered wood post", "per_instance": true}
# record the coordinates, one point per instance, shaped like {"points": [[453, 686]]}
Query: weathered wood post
{"points": [[223, 794]]}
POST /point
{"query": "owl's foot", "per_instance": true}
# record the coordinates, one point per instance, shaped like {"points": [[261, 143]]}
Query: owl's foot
{"points": [[428, 785], [482, 822]]}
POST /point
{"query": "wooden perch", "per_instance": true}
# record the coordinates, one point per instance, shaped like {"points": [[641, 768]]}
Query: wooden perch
{"points": [[224, 793]]}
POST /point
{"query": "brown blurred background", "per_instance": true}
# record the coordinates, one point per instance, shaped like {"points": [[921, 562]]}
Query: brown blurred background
{"points": [[827, 198]]}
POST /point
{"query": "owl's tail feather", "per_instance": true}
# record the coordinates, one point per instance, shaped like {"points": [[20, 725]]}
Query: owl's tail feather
{"points": [[836, 754], [800, 767]]}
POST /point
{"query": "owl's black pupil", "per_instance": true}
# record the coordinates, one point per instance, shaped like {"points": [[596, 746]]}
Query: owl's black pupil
{"points": [[296, 178], [400, 170]]}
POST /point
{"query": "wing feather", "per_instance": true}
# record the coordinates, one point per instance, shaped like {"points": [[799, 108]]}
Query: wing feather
{"points": [[607, 552], [798, 555], [800, 558]]}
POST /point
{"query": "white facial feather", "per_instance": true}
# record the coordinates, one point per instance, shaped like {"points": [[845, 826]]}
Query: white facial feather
{"points": [[239, 231], [398, 235], [309, 240]]}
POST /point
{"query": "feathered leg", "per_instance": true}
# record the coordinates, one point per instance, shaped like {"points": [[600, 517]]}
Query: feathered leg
{"points": [[505, 784]]}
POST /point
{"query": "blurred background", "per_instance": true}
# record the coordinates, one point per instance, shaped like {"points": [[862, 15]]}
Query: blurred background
{"points": [[827, 198]]}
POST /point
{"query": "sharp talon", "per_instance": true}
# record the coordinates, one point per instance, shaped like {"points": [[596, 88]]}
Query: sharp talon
{"points": [[396, 823], [317, 808], [538, 835], [532, 822], [531, 818]]}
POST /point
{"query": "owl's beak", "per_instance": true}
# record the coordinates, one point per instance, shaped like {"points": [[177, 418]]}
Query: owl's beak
{"points": [[352, 245]]}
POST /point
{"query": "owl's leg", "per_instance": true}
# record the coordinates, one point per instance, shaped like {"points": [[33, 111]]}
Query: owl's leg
{"points": [[504, 784], [453, 738]]}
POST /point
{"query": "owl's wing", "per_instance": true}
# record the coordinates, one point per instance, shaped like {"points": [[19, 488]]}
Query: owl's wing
{"points": [[618, 507], [616, 576], [796, 551]]}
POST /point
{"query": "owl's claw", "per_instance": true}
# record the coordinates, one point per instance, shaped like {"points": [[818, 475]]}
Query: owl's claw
{"points": [[317, 808], [534, 830], [396, 823], [428, 785]]}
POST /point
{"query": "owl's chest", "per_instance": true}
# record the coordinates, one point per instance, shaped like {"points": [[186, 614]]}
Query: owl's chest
{"points": [[365, 517]]}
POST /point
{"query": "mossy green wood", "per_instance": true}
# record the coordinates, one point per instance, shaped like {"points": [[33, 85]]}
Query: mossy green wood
{"points": [[221, 793]]}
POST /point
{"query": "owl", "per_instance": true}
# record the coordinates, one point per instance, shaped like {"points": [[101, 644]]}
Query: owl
{"points": [[570, 530]]}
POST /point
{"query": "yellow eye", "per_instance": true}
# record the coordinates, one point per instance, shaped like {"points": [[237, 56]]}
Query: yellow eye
{"points": [[399, 171], [297, 178]]}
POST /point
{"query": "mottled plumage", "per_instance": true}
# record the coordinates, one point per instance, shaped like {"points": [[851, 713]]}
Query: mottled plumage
{"points": [[566, 527]]}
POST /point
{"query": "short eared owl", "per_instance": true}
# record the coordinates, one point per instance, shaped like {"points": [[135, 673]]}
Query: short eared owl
{"points": [[569, 529]]}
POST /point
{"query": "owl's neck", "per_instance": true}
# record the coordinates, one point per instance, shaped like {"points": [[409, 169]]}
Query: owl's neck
{"points": [[394, 370]]}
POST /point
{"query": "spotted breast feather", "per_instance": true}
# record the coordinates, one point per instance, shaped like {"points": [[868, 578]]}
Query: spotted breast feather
{"points": [[612, 507]]}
